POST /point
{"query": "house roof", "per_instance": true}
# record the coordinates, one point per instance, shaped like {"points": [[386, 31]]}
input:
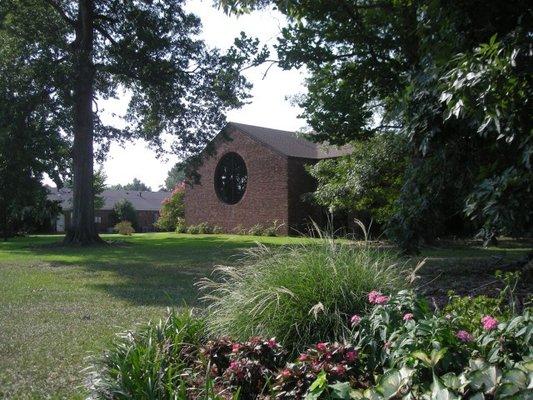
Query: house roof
{"points": [[289, 144], [142, 201]]}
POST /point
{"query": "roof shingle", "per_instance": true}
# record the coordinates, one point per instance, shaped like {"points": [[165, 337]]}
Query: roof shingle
{"points": [[289, 144]]}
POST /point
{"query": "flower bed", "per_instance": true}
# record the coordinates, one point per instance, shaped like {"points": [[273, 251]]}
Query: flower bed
{"points": [[400, 349]]}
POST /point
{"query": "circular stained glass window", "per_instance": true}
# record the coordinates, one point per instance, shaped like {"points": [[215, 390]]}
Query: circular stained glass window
{"points": [[230, 178]]}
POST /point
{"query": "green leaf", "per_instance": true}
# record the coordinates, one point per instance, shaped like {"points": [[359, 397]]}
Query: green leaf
{"points": [[317, 387], [340, 390]]}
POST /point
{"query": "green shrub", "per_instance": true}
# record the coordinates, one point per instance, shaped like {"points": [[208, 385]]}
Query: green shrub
{"points": [[124, 211], [172, 210], [273, 229], [149, 363], [298, 294], [469, 310], [204, 228], [124, 228], [217, 230], [192, 230], [256, 230], [180, 226]]}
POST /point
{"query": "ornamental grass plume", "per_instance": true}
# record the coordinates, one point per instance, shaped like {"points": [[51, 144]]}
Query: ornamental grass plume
{"points": [[300, 294]]}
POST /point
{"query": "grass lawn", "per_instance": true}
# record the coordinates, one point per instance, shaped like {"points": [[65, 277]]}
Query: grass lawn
{"points": [[58, 305]]}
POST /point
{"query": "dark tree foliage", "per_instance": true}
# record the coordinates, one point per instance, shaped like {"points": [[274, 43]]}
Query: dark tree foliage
{"points": [[365, 184], [125, 211], [175, 176], [135, 185], [30, 141], [92, 50], [453, 77]]}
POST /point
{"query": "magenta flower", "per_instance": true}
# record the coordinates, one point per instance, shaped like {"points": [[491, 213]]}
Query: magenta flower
{"points": [[322, 347], [408, 317], [272, 343], [489, 323], [339, 369], [235, 347], [375, 297], [355, 320], [303, 357], [464, 336], [351, 356]]}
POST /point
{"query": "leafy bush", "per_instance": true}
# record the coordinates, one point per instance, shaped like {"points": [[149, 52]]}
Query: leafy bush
{"points": [[124, 211], [403, 350], [272, 229], [217, 230], [124, 228], [200, 229], [245, 367], [180, 226], [151, 363], [172, 210], [256, 230], [298, 294]]}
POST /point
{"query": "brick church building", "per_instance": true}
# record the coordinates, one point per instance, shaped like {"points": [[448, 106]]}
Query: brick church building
{"points": [[256, 175]]}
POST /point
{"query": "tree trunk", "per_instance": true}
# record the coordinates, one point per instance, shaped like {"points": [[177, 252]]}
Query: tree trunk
{"points": [[82, 230]]}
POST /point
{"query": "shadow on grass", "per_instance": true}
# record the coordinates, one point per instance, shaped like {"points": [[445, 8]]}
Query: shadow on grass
{"points": [[143, 270]]}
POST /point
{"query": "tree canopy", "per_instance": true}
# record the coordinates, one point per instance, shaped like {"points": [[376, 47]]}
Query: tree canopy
{"points": [[452, 77], [77, 52]]}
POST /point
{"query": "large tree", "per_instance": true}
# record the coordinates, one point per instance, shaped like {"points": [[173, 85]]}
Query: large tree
{"points": [[31, 143], [453, 77], [93, 50]]}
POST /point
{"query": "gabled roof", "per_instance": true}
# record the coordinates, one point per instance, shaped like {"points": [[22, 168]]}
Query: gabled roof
{"points": [[289, 144], [142, 201]]}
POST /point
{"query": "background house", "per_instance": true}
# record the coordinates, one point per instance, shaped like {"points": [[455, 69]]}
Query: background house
{"points": [[147, 205], [256, 176]]}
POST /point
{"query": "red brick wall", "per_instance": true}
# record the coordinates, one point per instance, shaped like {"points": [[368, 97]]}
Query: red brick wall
{"points": [[266, 196]]}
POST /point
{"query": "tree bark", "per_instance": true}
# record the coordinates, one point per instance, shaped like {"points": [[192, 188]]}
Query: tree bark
{"points": [[82, 230]]}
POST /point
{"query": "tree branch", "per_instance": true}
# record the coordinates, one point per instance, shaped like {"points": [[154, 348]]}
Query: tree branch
{"points": [[62, 12], [105, 34]]}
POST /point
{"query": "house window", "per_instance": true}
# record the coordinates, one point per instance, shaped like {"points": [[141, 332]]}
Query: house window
{"points": [[98, 220], [230, 178]]}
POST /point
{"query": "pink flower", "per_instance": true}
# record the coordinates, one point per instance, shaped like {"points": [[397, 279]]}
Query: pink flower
{"points": [[235, 348], [272, 343], [489, 323], [464, 336], [351, 356], [376, 297], [234, 365], [286, 373], [303, 357], [355, 320], [373, 295], [408, 317], [322, 347]]}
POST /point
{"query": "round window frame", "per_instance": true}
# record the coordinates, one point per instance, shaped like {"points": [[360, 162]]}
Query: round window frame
{"points": [[216, 180]]}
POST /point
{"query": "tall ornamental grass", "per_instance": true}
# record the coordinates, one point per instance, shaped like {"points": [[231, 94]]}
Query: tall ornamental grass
{"points": [[298, 294]]}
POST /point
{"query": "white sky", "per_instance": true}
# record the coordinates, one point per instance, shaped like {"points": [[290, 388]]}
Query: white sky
{"points": [[268, 105]]}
